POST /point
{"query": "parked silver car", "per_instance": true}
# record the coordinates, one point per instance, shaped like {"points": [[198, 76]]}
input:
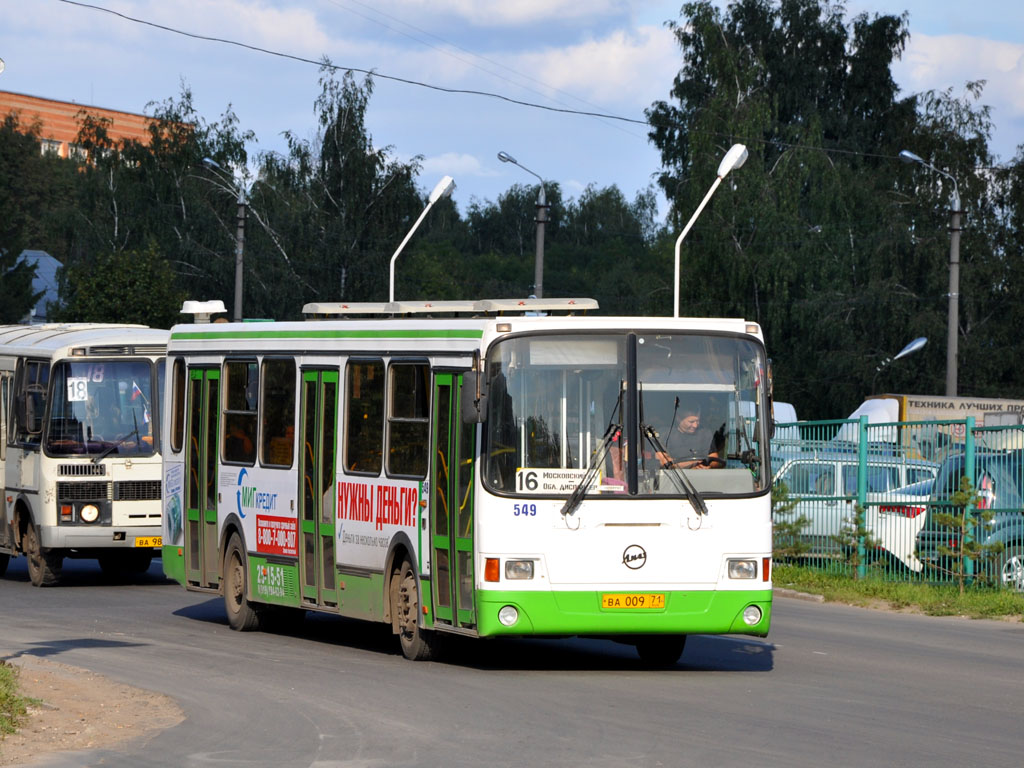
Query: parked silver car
{"points": [[825, 489]]}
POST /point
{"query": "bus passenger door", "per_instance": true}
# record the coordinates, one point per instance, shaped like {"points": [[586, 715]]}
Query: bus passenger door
{"points": [[202, 555], [451, 500], [318, 496]]}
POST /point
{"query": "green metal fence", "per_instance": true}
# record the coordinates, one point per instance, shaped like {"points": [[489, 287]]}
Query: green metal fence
{"points": [[883, 499]]}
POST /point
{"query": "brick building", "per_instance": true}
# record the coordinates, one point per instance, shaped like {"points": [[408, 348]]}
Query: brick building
{"points": [[61, 121]]}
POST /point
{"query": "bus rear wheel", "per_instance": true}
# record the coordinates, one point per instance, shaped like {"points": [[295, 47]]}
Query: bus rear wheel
{"points": [[242, 617], [417, 644], [44, 567], [660, 650]]}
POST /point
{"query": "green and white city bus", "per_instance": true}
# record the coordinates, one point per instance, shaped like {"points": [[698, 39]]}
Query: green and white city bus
{"points": [[477, 468], [79, 458]]}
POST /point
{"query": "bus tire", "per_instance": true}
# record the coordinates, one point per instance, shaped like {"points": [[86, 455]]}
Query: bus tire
{"points": [[4, 559], [660, 650], [44, 567], [242, 617], [418, 644]]}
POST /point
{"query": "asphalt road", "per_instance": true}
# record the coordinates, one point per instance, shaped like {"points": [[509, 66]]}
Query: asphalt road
{"points": [[831, 686]]}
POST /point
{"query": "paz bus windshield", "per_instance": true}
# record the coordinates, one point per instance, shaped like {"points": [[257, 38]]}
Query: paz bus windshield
{"points": [[659, 402], [101, 408]]}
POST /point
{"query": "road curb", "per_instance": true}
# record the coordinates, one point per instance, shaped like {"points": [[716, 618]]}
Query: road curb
{"points": [[781, 592]]}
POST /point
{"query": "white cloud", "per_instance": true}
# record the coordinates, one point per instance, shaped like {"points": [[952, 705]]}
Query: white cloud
{"points": [[941, 61], [497, 13], [455, 164], [625, 68]]}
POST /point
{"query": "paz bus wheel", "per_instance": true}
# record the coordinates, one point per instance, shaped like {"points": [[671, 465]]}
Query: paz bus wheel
{"points": [[241, 615], [417, 644], [44, 568], [660, 650]]}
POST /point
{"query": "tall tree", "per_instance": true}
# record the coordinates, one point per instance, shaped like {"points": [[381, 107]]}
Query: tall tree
{"points": [[819, 235]]}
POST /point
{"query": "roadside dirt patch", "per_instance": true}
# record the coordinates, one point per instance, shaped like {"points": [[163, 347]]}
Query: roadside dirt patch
{"points": [[79, 709]]}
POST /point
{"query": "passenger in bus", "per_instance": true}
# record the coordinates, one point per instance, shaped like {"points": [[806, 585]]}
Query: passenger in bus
{"points": [[238, 444], [689, 445]]}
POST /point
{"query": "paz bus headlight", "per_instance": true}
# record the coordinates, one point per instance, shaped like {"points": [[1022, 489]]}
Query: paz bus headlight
{"points": [[90, 513]]}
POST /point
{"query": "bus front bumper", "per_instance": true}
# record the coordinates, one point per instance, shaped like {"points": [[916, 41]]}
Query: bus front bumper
{"points": [[581, 613], [101, 537]]}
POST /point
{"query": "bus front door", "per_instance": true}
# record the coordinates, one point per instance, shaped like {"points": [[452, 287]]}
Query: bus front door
{"points": [[317, 496], [451, 499], [202, 553]]}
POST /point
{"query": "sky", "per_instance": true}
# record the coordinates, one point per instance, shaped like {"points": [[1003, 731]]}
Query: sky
{"points": [[612, 57]]}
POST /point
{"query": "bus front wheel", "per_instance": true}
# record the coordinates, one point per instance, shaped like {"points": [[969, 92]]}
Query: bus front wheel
{"points": [[44, 567], [418, 644], [242, 617]]}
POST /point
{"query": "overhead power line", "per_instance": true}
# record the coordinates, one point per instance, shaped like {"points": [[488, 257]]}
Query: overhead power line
{"points": [[336, 67]]}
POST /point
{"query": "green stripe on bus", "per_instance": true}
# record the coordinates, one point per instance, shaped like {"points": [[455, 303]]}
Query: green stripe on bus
{"points": [[580, 613], [470, 333]]}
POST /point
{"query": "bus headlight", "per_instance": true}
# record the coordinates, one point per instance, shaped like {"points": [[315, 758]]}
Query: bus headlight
{"points": [[508, 615], [519, 569], [90, 513], [742, 569], [751, 615]]}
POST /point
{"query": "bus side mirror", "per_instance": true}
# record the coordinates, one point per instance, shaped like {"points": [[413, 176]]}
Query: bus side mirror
{"points": [[474, 398]]}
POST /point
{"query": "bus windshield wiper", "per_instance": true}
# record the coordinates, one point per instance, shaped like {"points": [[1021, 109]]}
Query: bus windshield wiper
{"points": [[679, 478], [119, 442], [613, 430], [596, 461]]}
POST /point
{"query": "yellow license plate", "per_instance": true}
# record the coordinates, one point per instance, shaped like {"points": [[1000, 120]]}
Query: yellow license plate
{"points": [[149, 541], [633, 600]]}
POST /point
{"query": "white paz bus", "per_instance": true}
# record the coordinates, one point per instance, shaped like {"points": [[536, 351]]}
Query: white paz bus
{"points": [[481, 468], [79, 458]]}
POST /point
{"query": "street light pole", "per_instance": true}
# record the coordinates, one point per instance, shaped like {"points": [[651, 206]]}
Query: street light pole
{"points": [[542, 217], [734, 158], [239, 190], [443, 188], [953, 314]]}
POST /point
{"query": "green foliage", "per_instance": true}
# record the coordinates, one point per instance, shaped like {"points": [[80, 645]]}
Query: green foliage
{"points": [[967, 526], [979, 602], [30, 183], [837, 249], [854, 539], [120, 287], [13, 706], [787, 545]]}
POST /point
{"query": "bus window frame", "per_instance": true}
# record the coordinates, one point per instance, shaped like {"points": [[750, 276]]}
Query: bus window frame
{"points": [[261, 453], [227, 413], [383, 415], [389, 418]]}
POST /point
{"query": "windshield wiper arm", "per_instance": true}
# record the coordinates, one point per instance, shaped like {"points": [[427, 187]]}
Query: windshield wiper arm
{"points": [[120, 441], [596, 461], [682, 482]]}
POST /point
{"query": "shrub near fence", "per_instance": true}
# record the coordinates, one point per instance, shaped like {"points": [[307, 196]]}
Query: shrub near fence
{"points": [[859, 498]]}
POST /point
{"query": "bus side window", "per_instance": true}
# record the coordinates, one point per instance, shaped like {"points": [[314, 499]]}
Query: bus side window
{"points": [[277, 409], [364, 416], [240, 401], [30, 400], [408, 419]]}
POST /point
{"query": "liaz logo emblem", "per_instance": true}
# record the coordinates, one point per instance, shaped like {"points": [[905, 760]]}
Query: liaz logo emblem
{"points": [[634, 557]]}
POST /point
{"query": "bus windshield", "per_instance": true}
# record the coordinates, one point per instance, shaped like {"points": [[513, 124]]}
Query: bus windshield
{"points": [[101, 408], [690, 402]]}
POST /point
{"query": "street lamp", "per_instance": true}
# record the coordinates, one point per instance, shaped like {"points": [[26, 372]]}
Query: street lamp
{"points": [[910, 349], [734, 158], [953, 320], [239, 190], [542, 209], [443, 189]]}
